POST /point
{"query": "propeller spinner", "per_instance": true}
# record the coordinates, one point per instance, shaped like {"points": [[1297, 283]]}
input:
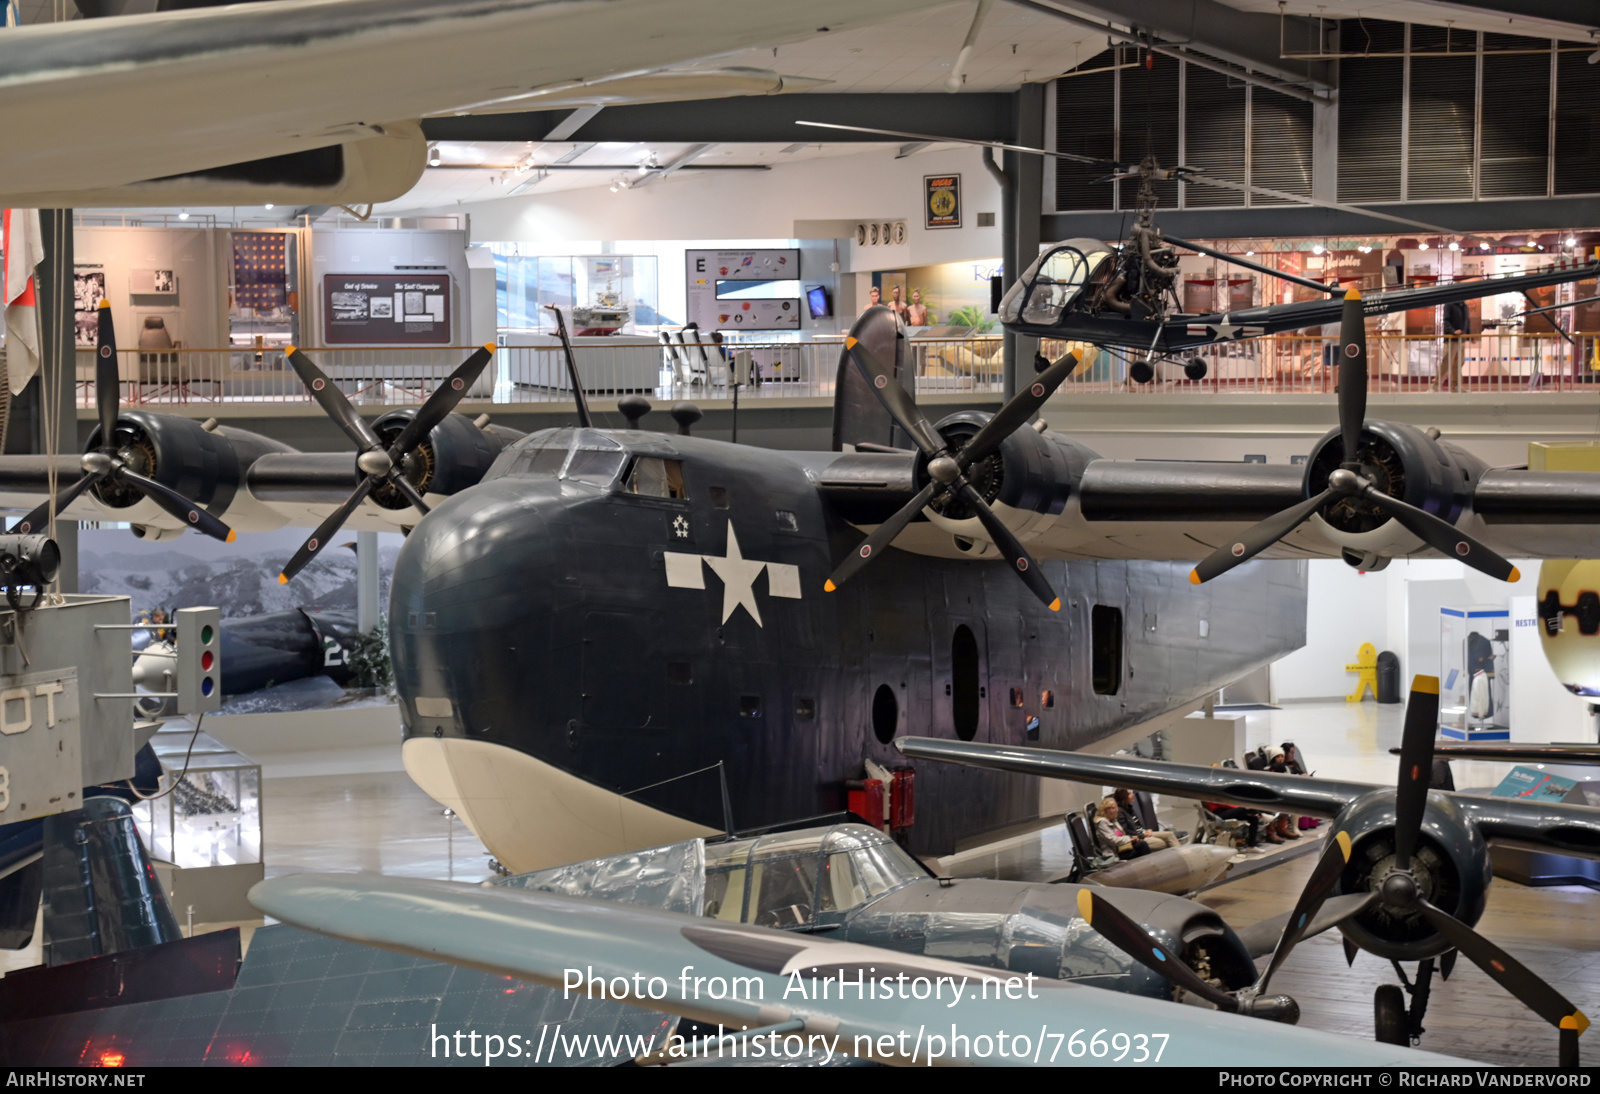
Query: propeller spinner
{"points": [[381, 464], [107, 462]]}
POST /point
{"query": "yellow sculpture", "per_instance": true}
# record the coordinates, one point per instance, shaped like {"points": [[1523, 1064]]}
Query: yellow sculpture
{"points": [[1367, 667]]}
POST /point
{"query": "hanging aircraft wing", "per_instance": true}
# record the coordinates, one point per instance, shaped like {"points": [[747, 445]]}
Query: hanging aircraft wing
{"points": [[1572, 829], [322, 99], [779, 986], [1517, 752]]}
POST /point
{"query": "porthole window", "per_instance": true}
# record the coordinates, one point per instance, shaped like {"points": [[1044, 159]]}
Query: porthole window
{"points": [[885, 713]]}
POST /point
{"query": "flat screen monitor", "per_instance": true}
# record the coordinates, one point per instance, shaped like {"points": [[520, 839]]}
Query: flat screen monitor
{"points": [[817, 301]]}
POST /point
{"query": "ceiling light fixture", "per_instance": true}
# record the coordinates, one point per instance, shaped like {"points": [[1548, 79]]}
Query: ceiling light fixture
{"points": [[1317, 249], [269, 205], [1423, 246], [1572, 241], [183, 216], [435, 157], [1483, 246], [1454, 246]]}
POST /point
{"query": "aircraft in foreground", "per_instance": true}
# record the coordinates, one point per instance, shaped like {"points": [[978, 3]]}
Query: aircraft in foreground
{"points": [[1406, 870], [793, 993]]}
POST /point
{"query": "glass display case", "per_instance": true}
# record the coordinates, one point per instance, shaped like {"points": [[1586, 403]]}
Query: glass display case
{"points": [[600, 294], [1475, 674], [206, 834]]}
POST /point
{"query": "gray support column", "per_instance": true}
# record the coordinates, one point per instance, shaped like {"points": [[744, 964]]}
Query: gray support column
{"points": [[1028, 178], [58, 363], [367, 608]]}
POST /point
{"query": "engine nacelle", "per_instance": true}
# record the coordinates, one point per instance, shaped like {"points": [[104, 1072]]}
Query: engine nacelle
{"points": [[1402, 461], [206, 466], [1569, 622], [453, 456], [1451, 865]]}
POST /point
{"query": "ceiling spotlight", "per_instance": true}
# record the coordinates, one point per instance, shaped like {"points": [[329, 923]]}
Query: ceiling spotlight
{"points": [[1483, 246], [1318, 249], [1423, 246], [1454, 246], [1364, 249], [183, 216], [269, 205], [644, 169], [615, 187], [1572, 241], [1247, 254], [435, 157]]}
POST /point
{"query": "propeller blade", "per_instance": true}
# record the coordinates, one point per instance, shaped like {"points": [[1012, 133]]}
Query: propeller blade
{"points": [[1352, 375], [1507, 971], [107, 387], [39, 519], [1009, 546], [1416, 766], [403, 484], [176, 504], [895, 399], [332, 401], [881, 537], [1132, 939], [1023, 405], [1443, 536], [1318, 886], [1256, 539], [444, 399], [319, 539]]}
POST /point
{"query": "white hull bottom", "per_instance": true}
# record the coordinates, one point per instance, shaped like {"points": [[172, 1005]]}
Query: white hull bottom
{"points": [[530, 814]]}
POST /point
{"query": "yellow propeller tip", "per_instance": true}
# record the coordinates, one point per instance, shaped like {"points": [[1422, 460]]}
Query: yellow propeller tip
{"points": [[1428, 685], [1575, 1021], [1055, 605], [1086, 905], [290, 351], [850, 343], [283, 579], [1194, 577], [232, 535], [1516, 574], [1353, 294], [828, 586], [490, 346], [1342, 839], [104, 303]]}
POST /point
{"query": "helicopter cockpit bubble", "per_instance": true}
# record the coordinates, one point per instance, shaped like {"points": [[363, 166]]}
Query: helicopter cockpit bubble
{"points": [[1042, 294]]}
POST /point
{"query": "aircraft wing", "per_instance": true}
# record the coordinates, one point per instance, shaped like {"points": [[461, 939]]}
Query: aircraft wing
{"points": [[771, 981], [1251, 789], [172, 96], [1517, 752]]}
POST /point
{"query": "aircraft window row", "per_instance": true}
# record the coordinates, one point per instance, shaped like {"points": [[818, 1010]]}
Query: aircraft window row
{"points": [[653, 477], [787, 521]]}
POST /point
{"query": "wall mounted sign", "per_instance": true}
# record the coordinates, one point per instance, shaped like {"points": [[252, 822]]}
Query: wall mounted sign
{"points": [[942, 200], [743, 290], [386, 309]]}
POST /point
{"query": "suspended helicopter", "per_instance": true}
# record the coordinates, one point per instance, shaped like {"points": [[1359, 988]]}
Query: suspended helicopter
{"points": [[1125, 296]]}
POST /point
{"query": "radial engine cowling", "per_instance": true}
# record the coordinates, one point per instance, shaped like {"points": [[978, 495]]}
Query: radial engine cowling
{"points": [[1401, 461], [205, 466], [454, 456], [1030, 473], [1451, 865]]}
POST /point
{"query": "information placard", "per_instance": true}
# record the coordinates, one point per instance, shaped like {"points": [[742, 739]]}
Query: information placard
{"points": [[737, 304], [386, 309]]}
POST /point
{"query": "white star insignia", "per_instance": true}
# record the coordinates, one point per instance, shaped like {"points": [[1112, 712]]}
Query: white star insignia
{"points": [[738, 575], [680, 527]]}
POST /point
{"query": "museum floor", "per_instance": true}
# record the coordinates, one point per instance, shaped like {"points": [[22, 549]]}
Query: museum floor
{"points": [[370, 817]]}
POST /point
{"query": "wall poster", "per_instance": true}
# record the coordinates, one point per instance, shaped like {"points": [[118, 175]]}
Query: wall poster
{"points": [[386, 309], [88, 289], [942, 201]]}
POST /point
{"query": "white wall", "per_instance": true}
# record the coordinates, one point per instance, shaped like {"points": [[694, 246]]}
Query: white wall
{"points": [[195, 315], [746, 205], [1344, 608]]}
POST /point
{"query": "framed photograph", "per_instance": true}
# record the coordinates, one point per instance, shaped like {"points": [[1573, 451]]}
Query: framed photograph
{"points": [[88, 289], [153, 282], [941, 205]]}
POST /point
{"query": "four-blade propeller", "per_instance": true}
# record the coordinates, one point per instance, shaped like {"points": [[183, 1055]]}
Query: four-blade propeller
{"points": [[382, 464], [1353, 480], [947, 467], [108, 462]]}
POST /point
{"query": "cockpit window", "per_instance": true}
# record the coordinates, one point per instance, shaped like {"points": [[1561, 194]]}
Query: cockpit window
{"points": [[1041, 295], [596, 466], [573, 454], [657, 478]]}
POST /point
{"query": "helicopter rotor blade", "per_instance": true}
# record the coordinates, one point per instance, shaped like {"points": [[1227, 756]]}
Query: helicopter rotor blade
{"points": [[1416, 766], [107, 386], [895, 399], [880, 538], [445, 398], [175, 504], [1135, 941], [330, 524], [1256, 539]]}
